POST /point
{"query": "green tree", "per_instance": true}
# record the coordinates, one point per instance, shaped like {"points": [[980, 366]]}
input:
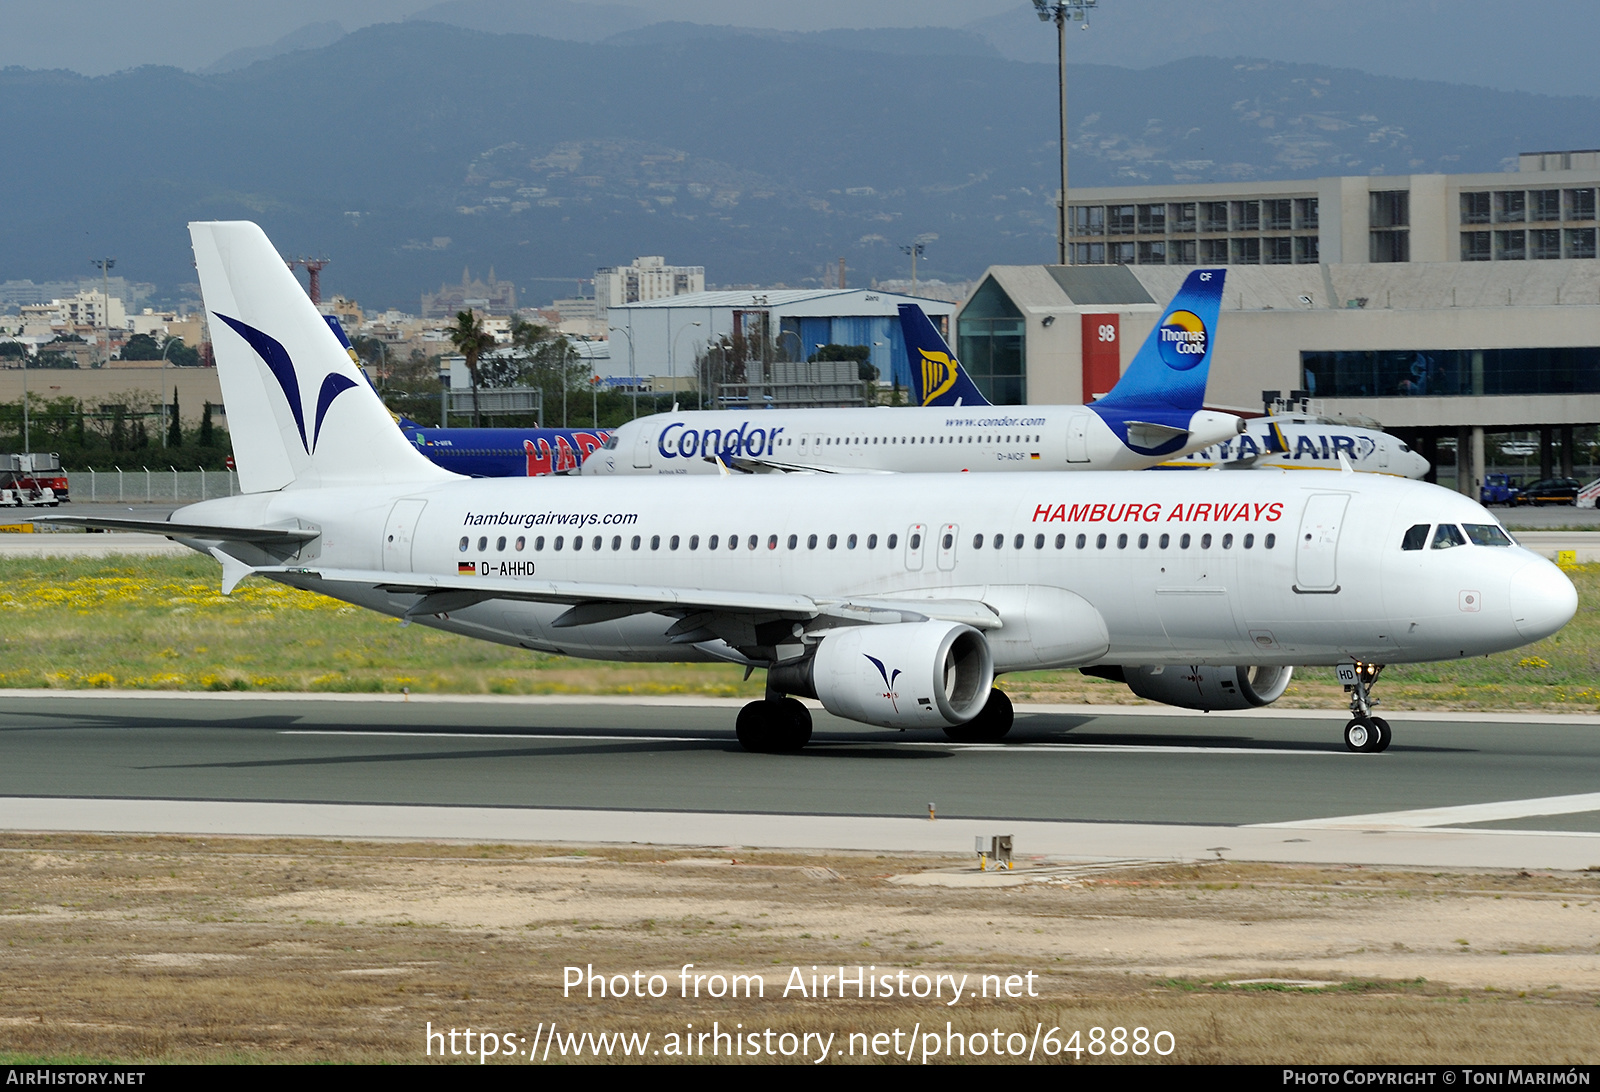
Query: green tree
{"points": [[180, 355], [207, 438], [175, 425], [471, 340], [141, 347], [867, 373]]}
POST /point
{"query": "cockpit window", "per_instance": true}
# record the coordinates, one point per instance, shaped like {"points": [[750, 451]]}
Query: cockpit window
{"points": [[1416, 537], [611, 442], [1486, 534], [1446, 536]]}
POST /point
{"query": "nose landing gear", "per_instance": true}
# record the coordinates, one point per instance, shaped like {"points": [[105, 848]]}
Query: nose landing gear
{"points": [[1365, 733]]}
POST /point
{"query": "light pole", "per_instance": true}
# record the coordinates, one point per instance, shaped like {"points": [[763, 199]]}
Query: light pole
{"points": [[633, 380], [915, 250], [672, 361], [1062, 12], [799, 345], [104, 265], [25, 445], [167, 348]]}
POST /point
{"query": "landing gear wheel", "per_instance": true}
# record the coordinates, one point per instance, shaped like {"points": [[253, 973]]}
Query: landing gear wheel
{"points": [[1363, 735], [774, 726], [1385, 734], [990, 725]]}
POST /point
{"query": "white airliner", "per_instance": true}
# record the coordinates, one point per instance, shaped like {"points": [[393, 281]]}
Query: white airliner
{"points": [[1154, 413], [1299, 441], [895, 600]]}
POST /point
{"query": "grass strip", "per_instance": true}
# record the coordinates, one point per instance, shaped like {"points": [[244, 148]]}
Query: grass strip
{"points": [[162, 623]]}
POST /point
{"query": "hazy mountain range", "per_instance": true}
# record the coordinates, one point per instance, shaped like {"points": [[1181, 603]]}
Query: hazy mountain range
{"points": [[405, 151]]}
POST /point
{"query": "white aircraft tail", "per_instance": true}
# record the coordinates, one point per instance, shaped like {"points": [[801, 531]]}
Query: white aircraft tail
{"points": [[299, 411]]}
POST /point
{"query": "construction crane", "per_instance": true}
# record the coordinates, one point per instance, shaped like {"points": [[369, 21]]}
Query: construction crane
{"points": [[314, 267]]}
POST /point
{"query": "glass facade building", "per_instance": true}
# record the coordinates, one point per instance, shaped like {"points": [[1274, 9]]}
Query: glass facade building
{"points": [[990, 336], [1444, 372]]}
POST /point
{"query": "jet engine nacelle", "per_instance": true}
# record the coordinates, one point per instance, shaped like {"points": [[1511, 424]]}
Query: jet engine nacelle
{"points": [[903, 675], [1205, 687]]}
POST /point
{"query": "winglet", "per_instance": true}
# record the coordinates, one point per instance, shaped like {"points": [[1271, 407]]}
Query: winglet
{"points": [[937, 378]]}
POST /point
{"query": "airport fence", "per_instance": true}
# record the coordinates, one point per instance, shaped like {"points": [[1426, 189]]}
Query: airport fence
{"points": [[143, 485]]}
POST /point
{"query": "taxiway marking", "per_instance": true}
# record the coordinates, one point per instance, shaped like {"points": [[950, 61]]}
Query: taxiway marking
{"points": [[1455, 815]]}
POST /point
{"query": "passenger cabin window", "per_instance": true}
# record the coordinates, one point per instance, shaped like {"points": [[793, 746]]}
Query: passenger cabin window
{"points": [[1416, 537], [1447, 536]]}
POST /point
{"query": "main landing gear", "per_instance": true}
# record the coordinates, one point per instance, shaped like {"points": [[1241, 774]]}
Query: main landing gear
{"points": [[989, 725], [774, 726], [1365, 733]]}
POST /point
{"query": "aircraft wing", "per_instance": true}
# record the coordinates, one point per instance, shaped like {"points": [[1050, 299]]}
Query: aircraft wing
{"points": [[747, 464], [590, 602]]}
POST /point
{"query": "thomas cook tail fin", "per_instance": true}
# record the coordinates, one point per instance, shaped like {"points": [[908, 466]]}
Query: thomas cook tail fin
{"points": [[1158, 406], [936, 375], [299, 410]]}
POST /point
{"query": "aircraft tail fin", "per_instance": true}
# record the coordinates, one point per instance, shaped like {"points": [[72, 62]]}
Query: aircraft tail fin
{"points": [[300, 412], [1166, 383], [937, 378]]}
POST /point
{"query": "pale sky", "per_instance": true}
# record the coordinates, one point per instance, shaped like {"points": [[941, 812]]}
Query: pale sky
{"points": [[1543, 46]]}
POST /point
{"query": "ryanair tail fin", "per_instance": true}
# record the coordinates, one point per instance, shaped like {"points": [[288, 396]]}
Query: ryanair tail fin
{"points": [[936, 375], [299, 410], [1153, 406]]}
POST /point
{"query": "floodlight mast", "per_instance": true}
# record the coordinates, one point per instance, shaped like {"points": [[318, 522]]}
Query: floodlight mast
{"points": [[1062, 12]]}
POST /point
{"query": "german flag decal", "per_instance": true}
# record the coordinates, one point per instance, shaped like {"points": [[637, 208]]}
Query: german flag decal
{"points": [[466, 568]]}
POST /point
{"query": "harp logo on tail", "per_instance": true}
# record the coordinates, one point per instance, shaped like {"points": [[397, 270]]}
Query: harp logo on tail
{"points": [[938, 374]]}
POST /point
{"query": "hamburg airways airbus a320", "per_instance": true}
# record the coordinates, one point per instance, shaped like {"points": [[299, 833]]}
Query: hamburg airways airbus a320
{"points": [[1154, 413], [894, 600]]}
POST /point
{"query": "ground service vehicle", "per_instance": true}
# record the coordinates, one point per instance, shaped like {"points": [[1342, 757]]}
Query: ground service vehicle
{"points": [[1549, 491], [32, 480]]}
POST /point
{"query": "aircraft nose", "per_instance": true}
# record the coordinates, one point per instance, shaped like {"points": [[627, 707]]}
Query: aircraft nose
{"points": [[1542, 600]]}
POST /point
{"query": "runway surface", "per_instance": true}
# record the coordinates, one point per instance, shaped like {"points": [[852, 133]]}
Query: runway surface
{"points": [[1503, 791]]}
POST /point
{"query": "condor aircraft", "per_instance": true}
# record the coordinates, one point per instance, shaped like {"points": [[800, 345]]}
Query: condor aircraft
{"points": [[894, 600], [1154, 413]]}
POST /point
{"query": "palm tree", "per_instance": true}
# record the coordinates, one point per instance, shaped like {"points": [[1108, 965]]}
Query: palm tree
{"points": [[471, 341]]}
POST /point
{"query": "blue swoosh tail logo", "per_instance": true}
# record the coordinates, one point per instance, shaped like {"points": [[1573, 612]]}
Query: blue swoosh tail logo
{"points": [[281, 365]]}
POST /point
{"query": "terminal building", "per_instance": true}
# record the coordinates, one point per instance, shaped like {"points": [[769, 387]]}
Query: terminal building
{"points": [[666, 335], [1445, 307]]}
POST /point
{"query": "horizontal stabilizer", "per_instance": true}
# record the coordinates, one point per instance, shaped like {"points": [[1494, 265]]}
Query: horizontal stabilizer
{"points": [[1148, 434], [260, 536]]}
